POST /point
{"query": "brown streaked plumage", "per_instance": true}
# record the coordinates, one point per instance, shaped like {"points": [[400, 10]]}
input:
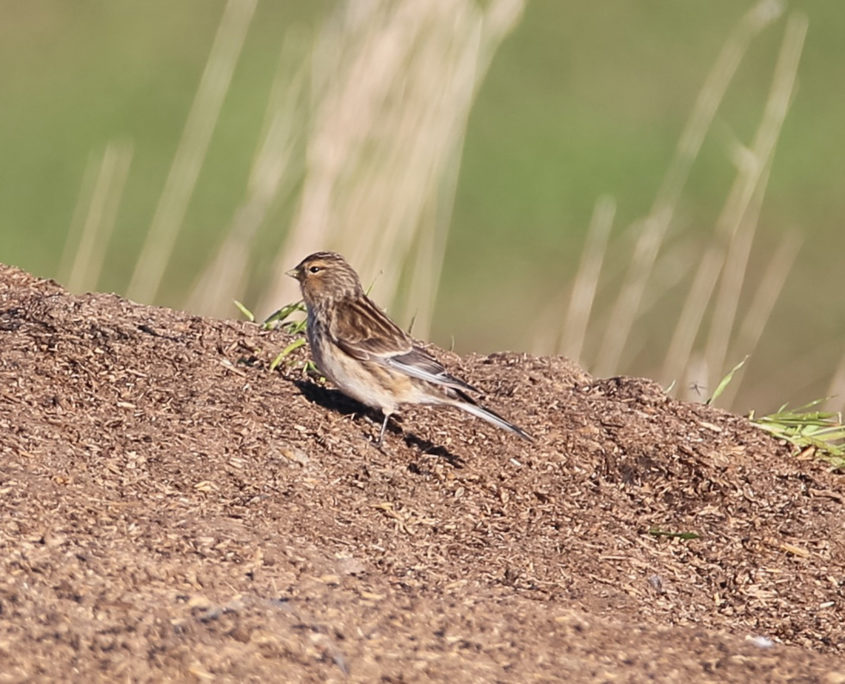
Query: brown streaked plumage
{"points": [[369, 357]]}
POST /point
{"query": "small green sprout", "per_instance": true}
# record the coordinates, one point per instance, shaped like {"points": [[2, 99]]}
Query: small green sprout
{"points": [[725, 381], [245, 312], [279, 319], [822, 432]]}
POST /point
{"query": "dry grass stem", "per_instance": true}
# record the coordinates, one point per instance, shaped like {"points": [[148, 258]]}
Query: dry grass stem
{"points": [[193, 146], [724, 313], [751, 175], [731, 285], [80, 213], [86, 255], [628, 303], [762, 304], [392, 87], [836, 391], [586, 279], [499, 19], [274, 172]]}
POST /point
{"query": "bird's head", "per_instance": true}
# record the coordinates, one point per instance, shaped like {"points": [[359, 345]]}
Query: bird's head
{"points": [[325, 276]]}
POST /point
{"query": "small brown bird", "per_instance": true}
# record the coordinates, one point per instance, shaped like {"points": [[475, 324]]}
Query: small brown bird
{"points": [[369, 357]]}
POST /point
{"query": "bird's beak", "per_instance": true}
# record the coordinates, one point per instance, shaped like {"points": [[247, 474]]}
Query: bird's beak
{"points": [[293, 273]]}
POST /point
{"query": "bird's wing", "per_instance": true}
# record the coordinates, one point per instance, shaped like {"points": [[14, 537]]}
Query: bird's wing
{"points": [[364, 332], [418, 364]]}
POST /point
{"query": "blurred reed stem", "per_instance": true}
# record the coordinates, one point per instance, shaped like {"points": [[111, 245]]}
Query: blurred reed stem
{"points": [[586, 281], [761, 307], [274, 172], [85, 248], [190, 154], [631, 292], [836, 390], [739, 207], [392, 86]]}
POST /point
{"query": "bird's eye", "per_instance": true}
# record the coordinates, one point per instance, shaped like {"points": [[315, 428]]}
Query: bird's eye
{"points": [[315, 269]]}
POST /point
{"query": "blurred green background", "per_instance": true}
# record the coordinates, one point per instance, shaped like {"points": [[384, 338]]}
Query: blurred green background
{"points": [[581, 100]]}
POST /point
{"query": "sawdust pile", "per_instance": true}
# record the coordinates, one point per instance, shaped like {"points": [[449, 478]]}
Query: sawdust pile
{"points": [[169, 507]]}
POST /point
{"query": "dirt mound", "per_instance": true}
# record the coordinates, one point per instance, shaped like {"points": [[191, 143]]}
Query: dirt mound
{"points": [[169, 507]]}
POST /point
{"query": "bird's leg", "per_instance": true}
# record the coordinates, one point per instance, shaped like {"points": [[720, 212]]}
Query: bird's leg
{"points": [[383, 428]]}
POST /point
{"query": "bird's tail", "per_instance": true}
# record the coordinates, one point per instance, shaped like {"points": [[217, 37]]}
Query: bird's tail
{"points": [[491, 417]]}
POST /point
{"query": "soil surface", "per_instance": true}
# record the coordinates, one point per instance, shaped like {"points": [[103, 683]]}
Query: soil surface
{"points": [[170, 508]]}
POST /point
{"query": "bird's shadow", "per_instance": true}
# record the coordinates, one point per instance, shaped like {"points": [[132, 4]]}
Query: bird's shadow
{"points": [[337, 401]]}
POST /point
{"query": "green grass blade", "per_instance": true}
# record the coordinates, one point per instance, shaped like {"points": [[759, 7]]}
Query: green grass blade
{"points": [[725, 382], [296, 344], [803, 428], [283, 313], [246, 313]]}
